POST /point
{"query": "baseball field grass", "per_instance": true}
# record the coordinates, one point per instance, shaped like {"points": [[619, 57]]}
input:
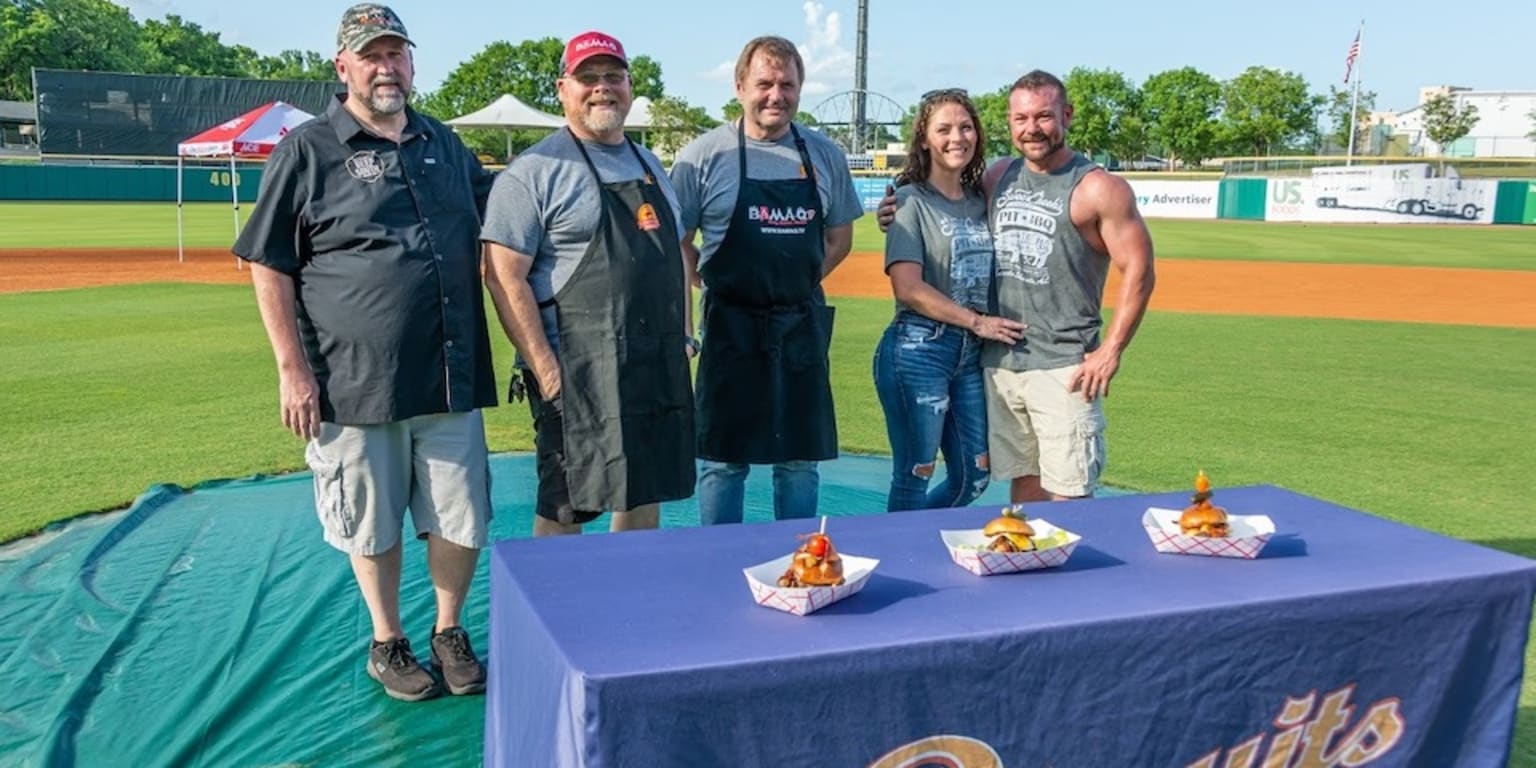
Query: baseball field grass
{"points": [[110, 390]]}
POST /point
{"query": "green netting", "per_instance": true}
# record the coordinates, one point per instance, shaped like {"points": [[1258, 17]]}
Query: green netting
{"points": [[213, 627]]}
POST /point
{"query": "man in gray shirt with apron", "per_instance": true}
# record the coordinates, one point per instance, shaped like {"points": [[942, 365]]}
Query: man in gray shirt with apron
{"points": [[587, 275], [776, 205]]}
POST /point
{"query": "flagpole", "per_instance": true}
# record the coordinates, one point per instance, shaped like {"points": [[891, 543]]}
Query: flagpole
{"points": [[1354, 99]]}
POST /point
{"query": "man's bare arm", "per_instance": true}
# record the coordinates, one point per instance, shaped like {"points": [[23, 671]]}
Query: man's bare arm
{"points": [[838, 242], [298, 392], [1129, 246], [506, 277]]}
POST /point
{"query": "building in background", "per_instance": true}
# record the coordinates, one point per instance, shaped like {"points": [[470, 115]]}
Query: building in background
{"points": [[18, 127], [1504, 124]]}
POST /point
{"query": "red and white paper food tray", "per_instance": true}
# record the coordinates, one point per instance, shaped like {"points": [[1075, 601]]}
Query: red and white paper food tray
{"points": [[1249, 534], [968, 549], [763, 578]]}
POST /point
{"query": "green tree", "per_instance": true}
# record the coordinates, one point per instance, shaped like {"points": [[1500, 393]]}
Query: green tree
{"points": [[1131, 137], [178, 47], [992, 108], [1444, 123], [1179, 107], [1101, 100], [675, 122], [527, 70], [1338, 114], [288, 65], [63, 34], [1266, 109], [645, 78]]}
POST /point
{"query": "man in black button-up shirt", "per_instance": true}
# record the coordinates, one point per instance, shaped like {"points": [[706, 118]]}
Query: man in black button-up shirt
{"points": [[365, 256]]}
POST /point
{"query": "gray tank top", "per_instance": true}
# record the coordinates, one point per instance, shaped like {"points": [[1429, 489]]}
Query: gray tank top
{"points": [[1047, 276]]}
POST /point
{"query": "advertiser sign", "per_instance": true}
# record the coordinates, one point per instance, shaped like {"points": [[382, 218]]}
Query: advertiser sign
{"points": [[1176, 199], [871, 189], [1383, 195]]}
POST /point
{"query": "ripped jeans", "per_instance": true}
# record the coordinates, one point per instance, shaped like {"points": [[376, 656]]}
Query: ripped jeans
{"points": [[928, 376]]}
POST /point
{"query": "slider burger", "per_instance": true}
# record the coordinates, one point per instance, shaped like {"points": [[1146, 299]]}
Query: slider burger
{"points": [[1201, 517], [1009, 533], [816, 564]]}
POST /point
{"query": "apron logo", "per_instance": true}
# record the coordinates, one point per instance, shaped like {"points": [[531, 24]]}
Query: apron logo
{"points": [[781, 217], [645, 218], [365, 166]]}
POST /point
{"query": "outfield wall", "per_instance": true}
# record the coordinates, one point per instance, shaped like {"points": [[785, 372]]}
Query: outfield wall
{"points": [[202, 183], [1368, 199]]}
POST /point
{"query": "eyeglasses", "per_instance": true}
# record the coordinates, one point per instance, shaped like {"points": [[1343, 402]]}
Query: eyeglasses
{"points": [[589, 79], [942, 92]]}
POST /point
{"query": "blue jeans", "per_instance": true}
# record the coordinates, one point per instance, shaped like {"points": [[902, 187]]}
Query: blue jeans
{"points": [[928, 376], [723, 488]]}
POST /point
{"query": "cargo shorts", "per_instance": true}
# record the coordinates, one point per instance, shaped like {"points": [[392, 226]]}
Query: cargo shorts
{"points": [[367, 476], [1037, 426]]}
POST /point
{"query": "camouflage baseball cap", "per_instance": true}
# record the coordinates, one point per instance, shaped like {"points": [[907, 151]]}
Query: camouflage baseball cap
{"points": [[365, 22]]}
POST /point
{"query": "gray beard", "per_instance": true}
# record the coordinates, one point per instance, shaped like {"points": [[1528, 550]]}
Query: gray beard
{"points": [[382, 106], [602, 122]]}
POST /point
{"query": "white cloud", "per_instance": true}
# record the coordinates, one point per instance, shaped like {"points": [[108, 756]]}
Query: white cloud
{"points": [[828, 65]]}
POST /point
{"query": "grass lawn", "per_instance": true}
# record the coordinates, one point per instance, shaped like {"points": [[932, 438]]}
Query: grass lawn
{"points": [[110, 390]]}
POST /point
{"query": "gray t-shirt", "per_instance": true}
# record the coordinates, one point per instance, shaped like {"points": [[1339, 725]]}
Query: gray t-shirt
{"points": [[1048, 276], [547, 205], [949, 238], [707, 176]]}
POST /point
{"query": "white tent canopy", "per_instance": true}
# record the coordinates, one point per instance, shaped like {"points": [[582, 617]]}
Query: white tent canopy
{"points": [[639, 115], [507, 112], [253, 134]]}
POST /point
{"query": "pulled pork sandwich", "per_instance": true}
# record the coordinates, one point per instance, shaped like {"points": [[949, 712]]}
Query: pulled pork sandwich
{"points": [[1009, 533], [816, 564], [1201, 517]]}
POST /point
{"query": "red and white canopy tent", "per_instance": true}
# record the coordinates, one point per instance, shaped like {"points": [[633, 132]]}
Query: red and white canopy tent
{"points": [[253, 134]]}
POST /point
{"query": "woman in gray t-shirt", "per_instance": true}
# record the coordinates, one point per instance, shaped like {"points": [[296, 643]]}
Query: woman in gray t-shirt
{"points": [[938, 254]]}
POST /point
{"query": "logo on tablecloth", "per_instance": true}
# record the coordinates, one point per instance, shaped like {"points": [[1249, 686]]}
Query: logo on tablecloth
{"points": [[1313, 735]]}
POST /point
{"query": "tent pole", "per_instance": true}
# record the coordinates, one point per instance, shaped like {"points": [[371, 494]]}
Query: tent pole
{"points": [[234, 196], [181, 254]]}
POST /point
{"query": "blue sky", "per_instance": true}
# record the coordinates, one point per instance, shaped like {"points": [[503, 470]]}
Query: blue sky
{"points": [[980, 45]]}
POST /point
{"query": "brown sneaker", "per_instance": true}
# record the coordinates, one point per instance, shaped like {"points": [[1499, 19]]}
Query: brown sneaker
{"points": [[456, 662], [395, 667]]}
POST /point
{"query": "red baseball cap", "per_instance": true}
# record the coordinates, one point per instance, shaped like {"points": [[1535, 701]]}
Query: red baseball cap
{"points": [[588, 44]]}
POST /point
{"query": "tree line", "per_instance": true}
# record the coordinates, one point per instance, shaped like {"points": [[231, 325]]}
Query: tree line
{"points": [[1183, 114], [99, 35]]}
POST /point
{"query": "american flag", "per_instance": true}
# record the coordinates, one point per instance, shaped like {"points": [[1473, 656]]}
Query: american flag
{"points": [[1349, 59]]}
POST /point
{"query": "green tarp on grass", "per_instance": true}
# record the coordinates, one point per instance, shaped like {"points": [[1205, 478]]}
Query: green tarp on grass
{"points": [[213, 627]]}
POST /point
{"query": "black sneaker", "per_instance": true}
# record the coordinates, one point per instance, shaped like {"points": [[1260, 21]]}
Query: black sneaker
{"points": [[456, 662], [395, 667]]}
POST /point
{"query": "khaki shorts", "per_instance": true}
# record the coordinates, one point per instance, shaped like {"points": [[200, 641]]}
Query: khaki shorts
{"points": [[1037, 427], [367, 476]]}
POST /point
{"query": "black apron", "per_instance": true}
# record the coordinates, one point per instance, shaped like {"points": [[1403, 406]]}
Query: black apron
{"points": [[764, 389], [624, 389]]}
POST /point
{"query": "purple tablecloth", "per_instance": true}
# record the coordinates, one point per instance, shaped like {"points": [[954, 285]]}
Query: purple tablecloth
{"points": [[1351, 638]]}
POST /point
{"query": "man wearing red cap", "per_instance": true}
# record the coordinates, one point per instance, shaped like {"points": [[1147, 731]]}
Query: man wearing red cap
{"points": [[585, 269]]}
